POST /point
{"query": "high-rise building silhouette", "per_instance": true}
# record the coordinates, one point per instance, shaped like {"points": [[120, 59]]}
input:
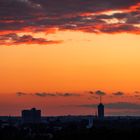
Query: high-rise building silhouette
{"points": [[31, 116], [100, 110]]}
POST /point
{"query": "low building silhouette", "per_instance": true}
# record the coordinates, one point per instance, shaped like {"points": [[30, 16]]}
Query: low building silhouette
{"points": [[31, 116]]}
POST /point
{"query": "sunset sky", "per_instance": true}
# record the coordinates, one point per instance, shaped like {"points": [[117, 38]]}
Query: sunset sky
{"points": [[61, 55]]}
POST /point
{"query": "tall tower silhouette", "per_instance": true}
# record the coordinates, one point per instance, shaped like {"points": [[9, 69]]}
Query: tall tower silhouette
{"points": [[100, 110]]}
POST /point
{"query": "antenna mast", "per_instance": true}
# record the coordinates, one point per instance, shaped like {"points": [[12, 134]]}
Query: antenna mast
{"points": [[100, 99]]}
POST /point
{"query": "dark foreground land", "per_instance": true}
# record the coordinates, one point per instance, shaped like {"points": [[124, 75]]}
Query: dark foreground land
{"points": [[56, 130]]}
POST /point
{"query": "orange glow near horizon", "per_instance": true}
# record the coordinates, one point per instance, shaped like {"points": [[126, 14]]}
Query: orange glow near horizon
{"points": [[81, 62]]}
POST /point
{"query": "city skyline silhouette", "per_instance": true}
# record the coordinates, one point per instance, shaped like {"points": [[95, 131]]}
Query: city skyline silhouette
{"points": [[61, 56]]}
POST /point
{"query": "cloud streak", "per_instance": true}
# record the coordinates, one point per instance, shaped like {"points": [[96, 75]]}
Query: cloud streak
{"points": [[119, 93], [44, 94], [97, 92], [21, 94], [115, 106], [14, 39]]}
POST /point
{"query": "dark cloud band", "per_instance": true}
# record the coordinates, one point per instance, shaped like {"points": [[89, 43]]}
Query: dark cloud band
{"points": [[87, 16]]}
